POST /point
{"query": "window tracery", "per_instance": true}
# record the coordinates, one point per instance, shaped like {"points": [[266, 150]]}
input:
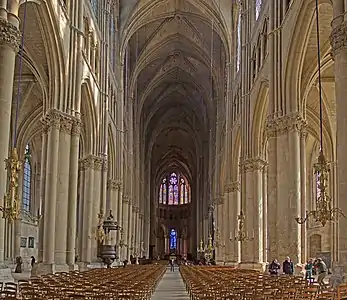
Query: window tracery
{"points": [[174, 190], [27, 172]]}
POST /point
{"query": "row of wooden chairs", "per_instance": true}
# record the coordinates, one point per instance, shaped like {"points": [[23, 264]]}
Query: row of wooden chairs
{"points": [[133, 282], [222, 283]]}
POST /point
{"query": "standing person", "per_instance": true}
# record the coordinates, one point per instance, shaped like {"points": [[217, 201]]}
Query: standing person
{"points": [[322, 271], [33, 260], [172, 266], [309, 270], [274, 267], [288, 266]]}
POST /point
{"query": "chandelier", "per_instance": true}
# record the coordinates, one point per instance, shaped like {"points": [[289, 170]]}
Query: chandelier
{"points": [[324, 212], [241, 235]]}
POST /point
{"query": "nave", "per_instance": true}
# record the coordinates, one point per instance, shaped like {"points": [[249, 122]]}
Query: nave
{"points": [[158, 282]]}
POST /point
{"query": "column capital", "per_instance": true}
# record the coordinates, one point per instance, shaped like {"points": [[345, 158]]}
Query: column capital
{"points": [[76, 127], [112, 184], [51, 120], [253, 164], [9, 35], [232, 187], [100, 163], [141, 215], [280, 125], [338, 38], [66, 124], [87, 162], [125, 199], [218, 200]]}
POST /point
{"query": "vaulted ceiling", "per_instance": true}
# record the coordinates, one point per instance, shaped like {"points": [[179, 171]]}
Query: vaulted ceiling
{"points": [[176, 66]]}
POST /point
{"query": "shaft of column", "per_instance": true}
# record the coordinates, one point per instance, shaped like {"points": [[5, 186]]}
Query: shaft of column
{"points": [[130, 230], [53, 120], [125, 225], [9, 46], [42, 192], [265, 216], [73, 186], [339, 50], [303, 195], [61, 213], [96, 202], [87, 234]]}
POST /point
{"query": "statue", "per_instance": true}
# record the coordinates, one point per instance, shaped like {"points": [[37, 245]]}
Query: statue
{"points": [[19, 263]]}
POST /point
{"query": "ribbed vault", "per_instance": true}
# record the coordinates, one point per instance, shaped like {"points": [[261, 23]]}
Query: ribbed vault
{"points": [[176, 64]]}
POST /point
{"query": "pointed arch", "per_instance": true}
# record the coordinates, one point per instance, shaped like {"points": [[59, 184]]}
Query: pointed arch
{"points": [[89, 119]]}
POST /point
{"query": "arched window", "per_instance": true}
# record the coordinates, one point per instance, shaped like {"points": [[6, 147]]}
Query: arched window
{"points": [[258, 4], [174, 190], [173, 239], [26, 193], [238, 52]]}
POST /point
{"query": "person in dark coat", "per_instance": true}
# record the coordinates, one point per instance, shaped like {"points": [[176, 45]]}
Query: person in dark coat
{"points": [[274, 267], [288, 267]]}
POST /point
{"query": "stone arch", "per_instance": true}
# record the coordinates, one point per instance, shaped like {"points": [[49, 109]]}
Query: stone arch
{"points": [[49, 28], [141, 15], [111, 152], [236, 155], [89, 119], [259, 119], [298, 44]]}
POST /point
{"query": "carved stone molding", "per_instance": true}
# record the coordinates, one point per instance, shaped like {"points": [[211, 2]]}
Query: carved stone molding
{"points": [[66, 125], [232, 187], [99, 163], [52, 120], [253, 164], [9, 35], [87, 163], [76, 127], [219, 200], [125, 199], [338, 39], [112, 184], [281, 125]]}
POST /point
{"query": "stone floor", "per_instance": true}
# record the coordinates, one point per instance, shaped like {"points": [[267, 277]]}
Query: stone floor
{"points": [[171, 286]]}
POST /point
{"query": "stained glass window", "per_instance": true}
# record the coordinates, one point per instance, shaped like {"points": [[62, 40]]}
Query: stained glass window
{"points": [[187, 199], [26, 193], [182, 193], [174, 190], [258, 4], [238, 58], [161, 194], [173, 239], [164, 193]]}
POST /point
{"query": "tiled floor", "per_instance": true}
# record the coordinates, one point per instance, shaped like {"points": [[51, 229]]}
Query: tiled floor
{"points": [[171, 287]]}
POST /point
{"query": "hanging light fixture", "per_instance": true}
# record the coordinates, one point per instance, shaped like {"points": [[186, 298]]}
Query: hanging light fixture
{"points": [[324, 212], [11, 207]]}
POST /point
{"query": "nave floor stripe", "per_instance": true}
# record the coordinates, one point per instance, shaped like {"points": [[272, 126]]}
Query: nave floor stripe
{"points": [[170, 287]]}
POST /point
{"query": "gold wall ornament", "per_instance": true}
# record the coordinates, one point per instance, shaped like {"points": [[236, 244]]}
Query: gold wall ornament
{"points": [[10, 208], [325, 212], [241, 235]]}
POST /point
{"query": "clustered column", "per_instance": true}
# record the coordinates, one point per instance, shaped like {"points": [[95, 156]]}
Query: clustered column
{"points": [[339, 50]]}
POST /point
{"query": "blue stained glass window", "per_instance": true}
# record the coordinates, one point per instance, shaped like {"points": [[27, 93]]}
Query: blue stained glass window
{"points": [[173, 239], [26, 192]]}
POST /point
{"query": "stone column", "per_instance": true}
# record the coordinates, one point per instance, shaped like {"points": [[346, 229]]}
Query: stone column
{"points": [[73, 186], [125, 225], [265, 217], [339, 51], [233, 200], [130, 229], [98, 165], [113, 204], [52, 120], [303, 178], [252, 250], [284, 190], [119, 217], [87, 235], [9, 46], [42, 192], [62, 202]]}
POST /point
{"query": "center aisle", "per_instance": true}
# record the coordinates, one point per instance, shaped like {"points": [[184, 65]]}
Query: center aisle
{"points": [[171, 286]]}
